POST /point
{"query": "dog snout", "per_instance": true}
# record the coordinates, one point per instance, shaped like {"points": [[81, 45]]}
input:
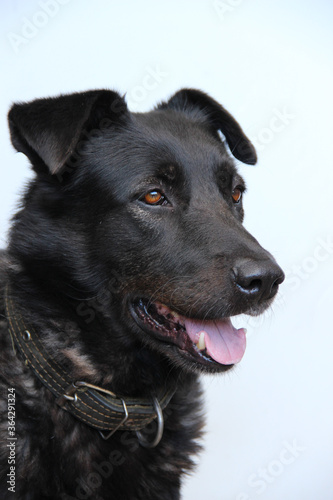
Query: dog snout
{"points": [[258, 280]]}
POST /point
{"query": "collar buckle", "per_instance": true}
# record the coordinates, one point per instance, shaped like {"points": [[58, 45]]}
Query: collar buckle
{"points": [[69, 395], [99, 408]]}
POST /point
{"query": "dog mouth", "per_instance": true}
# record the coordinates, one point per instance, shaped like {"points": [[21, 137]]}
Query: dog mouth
{"points": [[207, 342]]}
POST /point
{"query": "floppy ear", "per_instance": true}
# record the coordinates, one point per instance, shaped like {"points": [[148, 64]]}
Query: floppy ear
{"points": [[191, 100], [48, 130]]}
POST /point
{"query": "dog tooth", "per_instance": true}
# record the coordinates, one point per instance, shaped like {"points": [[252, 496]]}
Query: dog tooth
{"points": [[201, 345]]}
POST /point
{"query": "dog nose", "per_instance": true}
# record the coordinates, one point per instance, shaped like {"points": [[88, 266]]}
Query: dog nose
{"points": [[258, 279]]}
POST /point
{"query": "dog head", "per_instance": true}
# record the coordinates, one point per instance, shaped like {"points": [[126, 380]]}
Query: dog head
{"points": [[155, 200]]}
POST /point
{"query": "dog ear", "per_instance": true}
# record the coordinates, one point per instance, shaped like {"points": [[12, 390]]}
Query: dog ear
{"points": [[48, 130], [191, 100]]}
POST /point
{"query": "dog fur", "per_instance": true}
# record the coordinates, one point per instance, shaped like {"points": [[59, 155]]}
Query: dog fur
{"points": [[87, 243]]}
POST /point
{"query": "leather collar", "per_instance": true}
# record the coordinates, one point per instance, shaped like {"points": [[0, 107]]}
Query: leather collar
{"points": [[97, 407]]}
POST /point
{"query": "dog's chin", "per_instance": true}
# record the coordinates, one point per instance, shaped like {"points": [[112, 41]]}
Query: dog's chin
{"points": [[210, 346]]}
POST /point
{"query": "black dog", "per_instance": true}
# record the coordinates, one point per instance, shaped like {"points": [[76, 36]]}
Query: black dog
{"points": [[125, 263]]}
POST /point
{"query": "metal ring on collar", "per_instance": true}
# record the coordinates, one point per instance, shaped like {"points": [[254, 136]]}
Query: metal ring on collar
{"points": [[160, 427]]}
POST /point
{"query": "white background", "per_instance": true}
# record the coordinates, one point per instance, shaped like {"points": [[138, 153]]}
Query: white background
{"points": [[269, 422]]}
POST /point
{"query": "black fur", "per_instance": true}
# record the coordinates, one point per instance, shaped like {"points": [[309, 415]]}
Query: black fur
{"points": [[86, 245]]}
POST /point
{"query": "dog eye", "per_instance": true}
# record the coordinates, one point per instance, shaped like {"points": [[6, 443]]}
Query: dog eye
{"points": [[237, 195], [154, 197]]}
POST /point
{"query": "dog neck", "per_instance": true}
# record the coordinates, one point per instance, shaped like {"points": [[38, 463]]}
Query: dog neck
{"points": [[96, 406]]}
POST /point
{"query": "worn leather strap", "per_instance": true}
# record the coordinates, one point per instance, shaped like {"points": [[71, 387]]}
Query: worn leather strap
{"points": [[95, 406]]}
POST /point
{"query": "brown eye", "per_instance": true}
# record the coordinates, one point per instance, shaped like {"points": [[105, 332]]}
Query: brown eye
{"points": [[154, 198], [236, 195]]}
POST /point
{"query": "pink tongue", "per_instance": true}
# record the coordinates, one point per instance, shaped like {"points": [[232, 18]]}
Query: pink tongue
{"points": [[224, 343]]}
